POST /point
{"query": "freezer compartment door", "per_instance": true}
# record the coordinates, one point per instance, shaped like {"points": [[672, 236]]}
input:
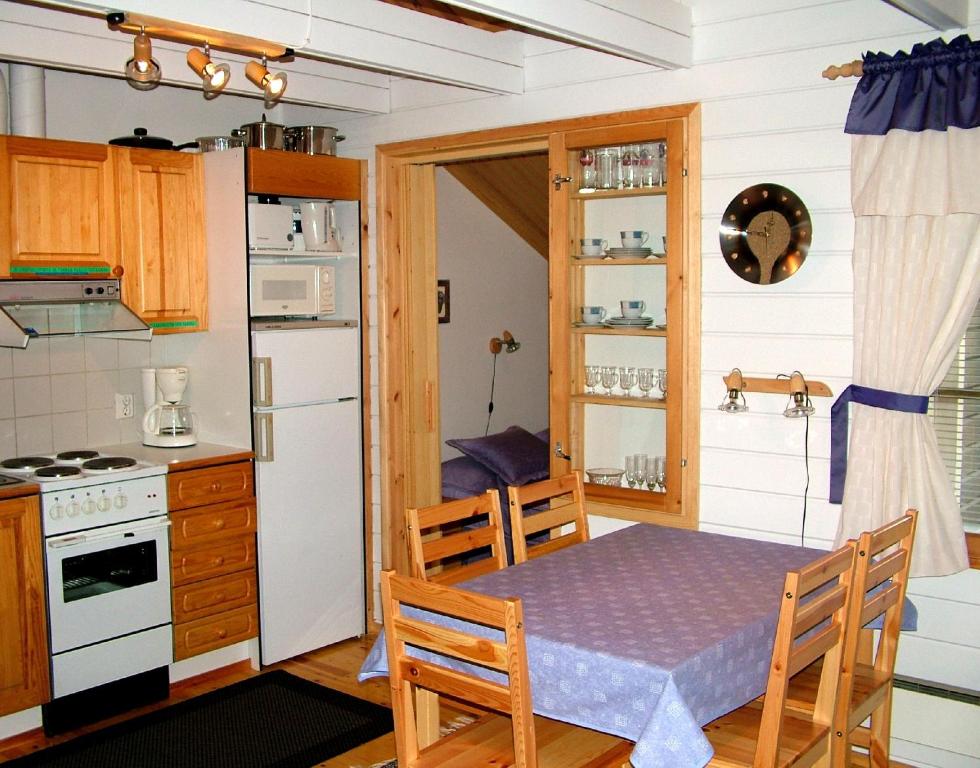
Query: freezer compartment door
{"points": [[311, 531], [305, 366]]}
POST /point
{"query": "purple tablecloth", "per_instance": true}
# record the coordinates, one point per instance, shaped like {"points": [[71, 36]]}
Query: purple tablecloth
{"points": [[647, 633]]}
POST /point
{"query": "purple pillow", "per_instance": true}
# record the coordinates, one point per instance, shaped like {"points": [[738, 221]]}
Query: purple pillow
{"points": [[463, 477], [514, 454]]}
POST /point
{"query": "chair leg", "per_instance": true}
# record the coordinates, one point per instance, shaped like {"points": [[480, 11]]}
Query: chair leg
{"points": [[880, 733]]}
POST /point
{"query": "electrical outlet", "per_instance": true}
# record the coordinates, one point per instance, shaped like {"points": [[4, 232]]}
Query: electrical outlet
{"points": [[124, 406]]}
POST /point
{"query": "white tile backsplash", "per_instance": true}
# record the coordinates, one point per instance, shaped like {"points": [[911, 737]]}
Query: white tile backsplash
{"points": [[68, 392], [8, 438], [32, 396], [33, 361], [101, 354], [103, 429], [6, 398], [70, 431], [34, 435], [6, 363], [100, 389], [67, 355], [134, 354]]}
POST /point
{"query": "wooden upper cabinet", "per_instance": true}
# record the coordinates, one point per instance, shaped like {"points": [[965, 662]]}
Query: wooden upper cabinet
{"points": [[24, 637], [274, 172], [57, 208], [162, 243]]}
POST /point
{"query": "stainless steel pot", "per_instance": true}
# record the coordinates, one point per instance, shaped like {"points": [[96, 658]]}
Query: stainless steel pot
{"points": [[263, 135], [313, 139], [219, 143]]}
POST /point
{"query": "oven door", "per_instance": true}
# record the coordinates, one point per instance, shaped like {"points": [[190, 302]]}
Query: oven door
{"points": [[108, 582]]}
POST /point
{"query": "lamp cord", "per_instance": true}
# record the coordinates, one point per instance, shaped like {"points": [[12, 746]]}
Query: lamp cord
{"points": [[493, 380], [806, 463]]}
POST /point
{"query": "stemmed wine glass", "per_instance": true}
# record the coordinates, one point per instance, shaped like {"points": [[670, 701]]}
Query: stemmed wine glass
{"points": [[627, 379], [610, 377], [586, 159], [660, 472], [646, 380], [592, 377], [631, 471], [662, 381]]}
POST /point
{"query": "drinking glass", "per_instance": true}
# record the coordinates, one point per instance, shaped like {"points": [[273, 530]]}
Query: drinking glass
{"points": [[586, 159], [649, 165], [662, 381], [631, 471], [646, 380], [629, 162], [591, 377], [660, 472], [662, 164], [607, 167], [610, 377], [640, 468], [627, 379], [650, 472]]}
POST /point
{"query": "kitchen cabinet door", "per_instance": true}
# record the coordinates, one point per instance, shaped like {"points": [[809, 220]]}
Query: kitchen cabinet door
{"points": [[161, 224], [24, 636], [57, 208]]}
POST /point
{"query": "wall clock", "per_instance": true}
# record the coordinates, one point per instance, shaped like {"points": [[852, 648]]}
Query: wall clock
{"points": [[765, 234]]}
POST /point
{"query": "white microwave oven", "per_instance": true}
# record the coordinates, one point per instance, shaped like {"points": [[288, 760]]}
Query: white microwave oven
{"points": [[291, 290]]}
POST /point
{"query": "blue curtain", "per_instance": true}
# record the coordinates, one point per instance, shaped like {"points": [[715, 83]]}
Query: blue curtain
{"points": [[935, 87]]}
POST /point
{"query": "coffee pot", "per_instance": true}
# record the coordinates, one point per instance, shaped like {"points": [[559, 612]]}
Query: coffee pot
{"points": [[167, 422]]}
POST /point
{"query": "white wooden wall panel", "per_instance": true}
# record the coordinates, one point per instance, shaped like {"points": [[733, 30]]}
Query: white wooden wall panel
{"points": [[569, 65], [748, 470], [716, 277], [767, 314], [767, 516], [722, 352], [934, 732]]}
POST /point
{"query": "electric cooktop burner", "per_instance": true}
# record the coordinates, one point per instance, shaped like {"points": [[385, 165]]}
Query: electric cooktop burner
{"points": [[57, 471], [108, 464], [26, 463], [77, 455]]}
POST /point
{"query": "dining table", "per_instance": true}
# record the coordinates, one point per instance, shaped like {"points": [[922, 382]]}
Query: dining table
{"points": [[647, 633]]}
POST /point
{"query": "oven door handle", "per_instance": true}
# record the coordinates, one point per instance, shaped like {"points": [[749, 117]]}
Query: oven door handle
{"points": [[74, 539]]}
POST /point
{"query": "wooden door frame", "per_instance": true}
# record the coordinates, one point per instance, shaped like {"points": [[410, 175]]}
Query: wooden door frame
{"points": [[407, 343]]}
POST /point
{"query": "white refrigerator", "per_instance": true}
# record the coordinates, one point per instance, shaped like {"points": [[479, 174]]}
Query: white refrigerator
{"points": [[306, 408]]}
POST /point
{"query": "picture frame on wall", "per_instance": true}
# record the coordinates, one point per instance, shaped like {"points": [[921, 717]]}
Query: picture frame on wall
{"points": [[442, 300]]}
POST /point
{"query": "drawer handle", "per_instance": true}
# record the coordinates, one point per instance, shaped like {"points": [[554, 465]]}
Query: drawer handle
{"points": [[222, 634], [220, 597], [215, 486], [219, 523], [219, 561]]}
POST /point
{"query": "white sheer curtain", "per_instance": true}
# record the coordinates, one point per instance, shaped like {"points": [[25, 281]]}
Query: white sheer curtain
{"points": [[916, 198]]}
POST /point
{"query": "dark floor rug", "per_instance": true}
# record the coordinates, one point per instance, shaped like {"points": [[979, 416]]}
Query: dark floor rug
{"points": [[273, 720]]}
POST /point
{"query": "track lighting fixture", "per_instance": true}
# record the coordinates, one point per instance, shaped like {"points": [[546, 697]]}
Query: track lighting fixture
{"points": [[735, 384], [273, 85], [505, 343], [215, 76], [799, 398], [143, 71]]}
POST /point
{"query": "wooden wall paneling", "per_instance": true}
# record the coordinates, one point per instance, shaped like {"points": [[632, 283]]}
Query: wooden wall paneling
{"points": [[562, 429]]}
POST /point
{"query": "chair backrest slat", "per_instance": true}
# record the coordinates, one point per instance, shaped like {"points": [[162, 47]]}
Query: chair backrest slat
{"points": [[451, 642], [566, 495], [441, 536], [459, 685]]}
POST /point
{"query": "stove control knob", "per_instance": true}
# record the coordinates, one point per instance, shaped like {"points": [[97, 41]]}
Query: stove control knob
{"points": [[104, 504], [57, 512], [88, 506], [120, 501], [73, 509]]}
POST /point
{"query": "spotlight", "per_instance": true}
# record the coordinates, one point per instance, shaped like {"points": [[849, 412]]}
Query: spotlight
{"points": [[504, 343], [735, 386], [799, 398], [215, 76], [142, 71], [273, 85]]}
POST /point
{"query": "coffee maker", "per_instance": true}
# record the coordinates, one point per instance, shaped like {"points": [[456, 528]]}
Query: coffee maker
{"points": [[167, 423]]}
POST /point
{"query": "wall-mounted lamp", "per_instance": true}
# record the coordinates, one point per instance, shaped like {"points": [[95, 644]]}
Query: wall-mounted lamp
{"points": [[506, 342], [731, 402], [274, 85], [142, 71], [795, 385], [215, 76]]}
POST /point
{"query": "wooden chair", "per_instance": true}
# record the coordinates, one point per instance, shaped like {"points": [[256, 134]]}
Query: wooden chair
{"points": [[444, 558], [866, 671], [519, 739], [567, 507], [810, 627]]}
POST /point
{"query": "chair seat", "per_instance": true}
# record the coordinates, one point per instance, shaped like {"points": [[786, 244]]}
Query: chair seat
{"points": [[734, 737], [869, 685], [488, 742]]}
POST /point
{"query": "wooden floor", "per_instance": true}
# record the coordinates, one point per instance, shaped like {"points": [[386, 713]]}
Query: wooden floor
{"points": [[335, 667]]}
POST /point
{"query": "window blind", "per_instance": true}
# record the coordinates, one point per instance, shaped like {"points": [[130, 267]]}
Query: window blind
{"points": [[955, 411]]}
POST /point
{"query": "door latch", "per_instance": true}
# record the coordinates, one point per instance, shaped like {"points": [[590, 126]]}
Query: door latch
{"points": [[560, 453], [559, 180]]}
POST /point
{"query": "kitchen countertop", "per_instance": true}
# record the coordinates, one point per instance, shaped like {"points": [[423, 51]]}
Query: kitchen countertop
{"points": [[178, 459], [18, 489]]}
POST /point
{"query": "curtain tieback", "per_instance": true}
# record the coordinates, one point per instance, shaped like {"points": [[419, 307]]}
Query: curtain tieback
{"points": [[876, 398]]}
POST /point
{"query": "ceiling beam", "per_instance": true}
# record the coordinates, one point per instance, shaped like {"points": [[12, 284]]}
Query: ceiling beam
{"points": [[654, 32], [938, 14]]}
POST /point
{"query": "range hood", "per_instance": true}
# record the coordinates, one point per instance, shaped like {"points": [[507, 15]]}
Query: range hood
{"points": [[40, 308]]}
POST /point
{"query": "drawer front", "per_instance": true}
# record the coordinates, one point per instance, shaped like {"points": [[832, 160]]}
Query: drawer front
{"points": [[213, 596], [213, 485], [216, 560], [205, 635], [210, 524]]}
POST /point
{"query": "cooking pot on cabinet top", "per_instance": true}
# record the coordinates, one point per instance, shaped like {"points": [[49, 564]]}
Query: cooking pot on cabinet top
{"points": [[313, 139], [139, 138], [219, 143], [264, 135]]}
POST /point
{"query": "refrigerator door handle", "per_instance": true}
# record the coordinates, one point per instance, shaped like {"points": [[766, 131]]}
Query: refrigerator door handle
{"points": [[265, 449], [262, 381]]}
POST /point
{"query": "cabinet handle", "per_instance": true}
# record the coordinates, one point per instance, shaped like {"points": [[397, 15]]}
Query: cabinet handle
{"points": [[117, 271], [262, 380], [222, 634], [215, 486], [560, 453], [265, 449], [219, 561]]}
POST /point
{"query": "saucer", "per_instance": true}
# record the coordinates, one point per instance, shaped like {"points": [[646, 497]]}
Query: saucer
{"points": [[629, 253], [584, 257], [637, 322]]}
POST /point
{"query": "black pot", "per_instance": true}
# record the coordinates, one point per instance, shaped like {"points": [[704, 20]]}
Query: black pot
{"points": [[141, 140]]}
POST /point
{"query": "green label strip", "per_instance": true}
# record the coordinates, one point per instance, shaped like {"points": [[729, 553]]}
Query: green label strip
{"points": [[173, 324], [59, 270]]}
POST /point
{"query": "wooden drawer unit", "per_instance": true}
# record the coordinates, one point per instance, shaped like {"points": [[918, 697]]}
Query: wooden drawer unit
{"points": [[208, 634], [212, 557], [213, 485]]}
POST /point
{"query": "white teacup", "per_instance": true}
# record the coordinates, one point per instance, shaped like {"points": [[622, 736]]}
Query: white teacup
{"points": [[632, 307], [634, 238], [592, 246], [593, 315]]}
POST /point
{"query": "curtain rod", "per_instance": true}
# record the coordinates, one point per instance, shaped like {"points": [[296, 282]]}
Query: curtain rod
{"points": [[851, 69]]}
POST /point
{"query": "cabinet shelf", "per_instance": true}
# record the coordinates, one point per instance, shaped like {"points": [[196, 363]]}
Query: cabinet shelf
{"points": [[628, 402], [603, 330], [656, 259], [625, 496], [614, 194]]}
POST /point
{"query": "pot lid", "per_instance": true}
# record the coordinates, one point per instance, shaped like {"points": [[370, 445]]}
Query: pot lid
{"points": [[141, 139]]}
